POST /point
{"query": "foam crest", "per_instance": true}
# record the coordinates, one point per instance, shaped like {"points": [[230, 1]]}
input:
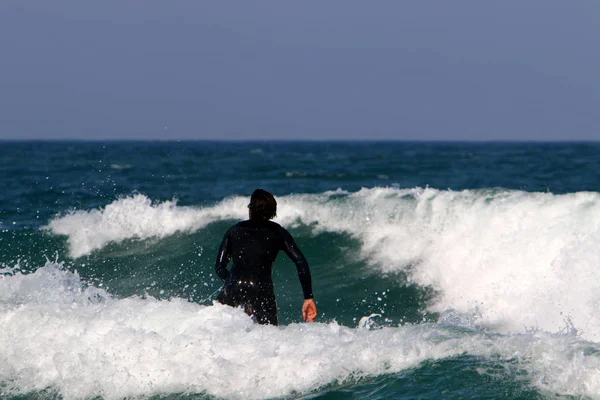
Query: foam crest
{"points": [[133, 347], [511, 259], [514, 259], [134, 217], [138, 217], [50, 284]]}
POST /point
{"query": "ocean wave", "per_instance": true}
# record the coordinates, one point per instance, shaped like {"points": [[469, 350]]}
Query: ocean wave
{"points": [[56, 335], [133, 217], [513, 259]]}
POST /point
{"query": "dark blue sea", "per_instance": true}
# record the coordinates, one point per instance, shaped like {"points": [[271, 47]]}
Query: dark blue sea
{"points": [[440, 270]]}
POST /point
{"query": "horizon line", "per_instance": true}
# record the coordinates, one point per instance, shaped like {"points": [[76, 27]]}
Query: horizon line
{"points": [[131, 140]]}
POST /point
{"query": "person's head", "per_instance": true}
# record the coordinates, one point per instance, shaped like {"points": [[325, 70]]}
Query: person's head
{"points": [[262, 205]]}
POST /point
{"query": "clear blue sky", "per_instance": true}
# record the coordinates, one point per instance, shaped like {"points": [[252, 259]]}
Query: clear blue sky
{"points": [[430, 70]]}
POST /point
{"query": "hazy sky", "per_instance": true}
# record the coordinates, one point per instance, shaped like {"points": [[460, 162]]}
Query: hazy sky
{"points": [[483, 70]]}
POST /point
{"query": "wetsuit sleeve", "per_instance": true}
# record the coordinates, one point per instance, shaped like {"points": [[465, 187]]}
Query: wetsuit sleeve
{"points": [[294, 253], [223, 257]]}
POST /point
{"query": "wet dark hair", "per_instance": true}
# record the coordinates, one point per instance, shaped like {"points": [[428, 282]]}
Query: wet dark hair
{"points": [[262, 205]]}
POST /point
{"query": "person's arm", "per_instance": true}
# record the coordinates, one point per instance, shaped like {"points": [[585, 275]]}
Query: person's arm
{"points": [[223, 257], [309, 308]]}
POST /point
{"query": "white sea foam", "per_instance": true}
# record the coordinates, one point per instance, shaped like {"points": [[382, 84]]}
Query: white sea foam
{"points": [[513, 259], [134, 217], [79, 341], [120, 166]]}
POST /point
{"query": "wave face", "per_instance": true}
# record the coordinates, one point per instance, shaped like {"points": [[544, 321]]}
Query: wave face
{"points": [[455, 268], [534, 254]]}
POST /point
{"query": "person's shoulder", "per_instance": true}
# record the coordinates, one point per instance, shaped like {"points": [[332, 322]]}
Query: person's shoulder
{"points": [[237, 226], [275, 226], [280, 230], [242, 224]]}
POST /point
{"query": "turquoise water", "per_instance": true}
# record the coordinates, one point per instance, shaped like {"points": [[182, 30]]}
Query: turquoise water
{"points": [[441, 270]]}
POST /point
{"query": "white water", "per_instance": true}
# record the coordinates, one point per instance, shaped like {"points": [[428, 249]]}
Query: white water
{"points": [[515, 260], [57, 333], [134, 217]]}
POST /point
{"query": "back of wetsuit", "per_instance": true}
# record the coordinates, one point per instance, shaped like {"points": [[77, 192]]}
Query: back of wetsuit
{"points": [[252, 246]]}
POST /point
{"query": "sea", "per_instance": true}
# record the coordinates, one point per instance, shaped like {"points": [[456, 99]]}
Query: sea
{"points": [[441, 270]]}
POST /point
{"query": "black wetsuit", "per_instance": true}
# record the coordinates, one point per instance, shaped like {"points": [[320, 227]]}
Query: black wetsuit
{"points": [[253, 245]]}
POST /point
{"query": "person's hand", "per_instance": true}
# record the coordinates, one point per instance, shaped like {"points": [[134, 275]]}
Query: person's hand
{"points": [[309, 310]]}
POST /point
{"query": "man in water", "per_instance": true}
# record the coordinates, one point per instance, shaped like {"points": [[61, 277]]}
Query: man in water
{"points": [[253, 245]]}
